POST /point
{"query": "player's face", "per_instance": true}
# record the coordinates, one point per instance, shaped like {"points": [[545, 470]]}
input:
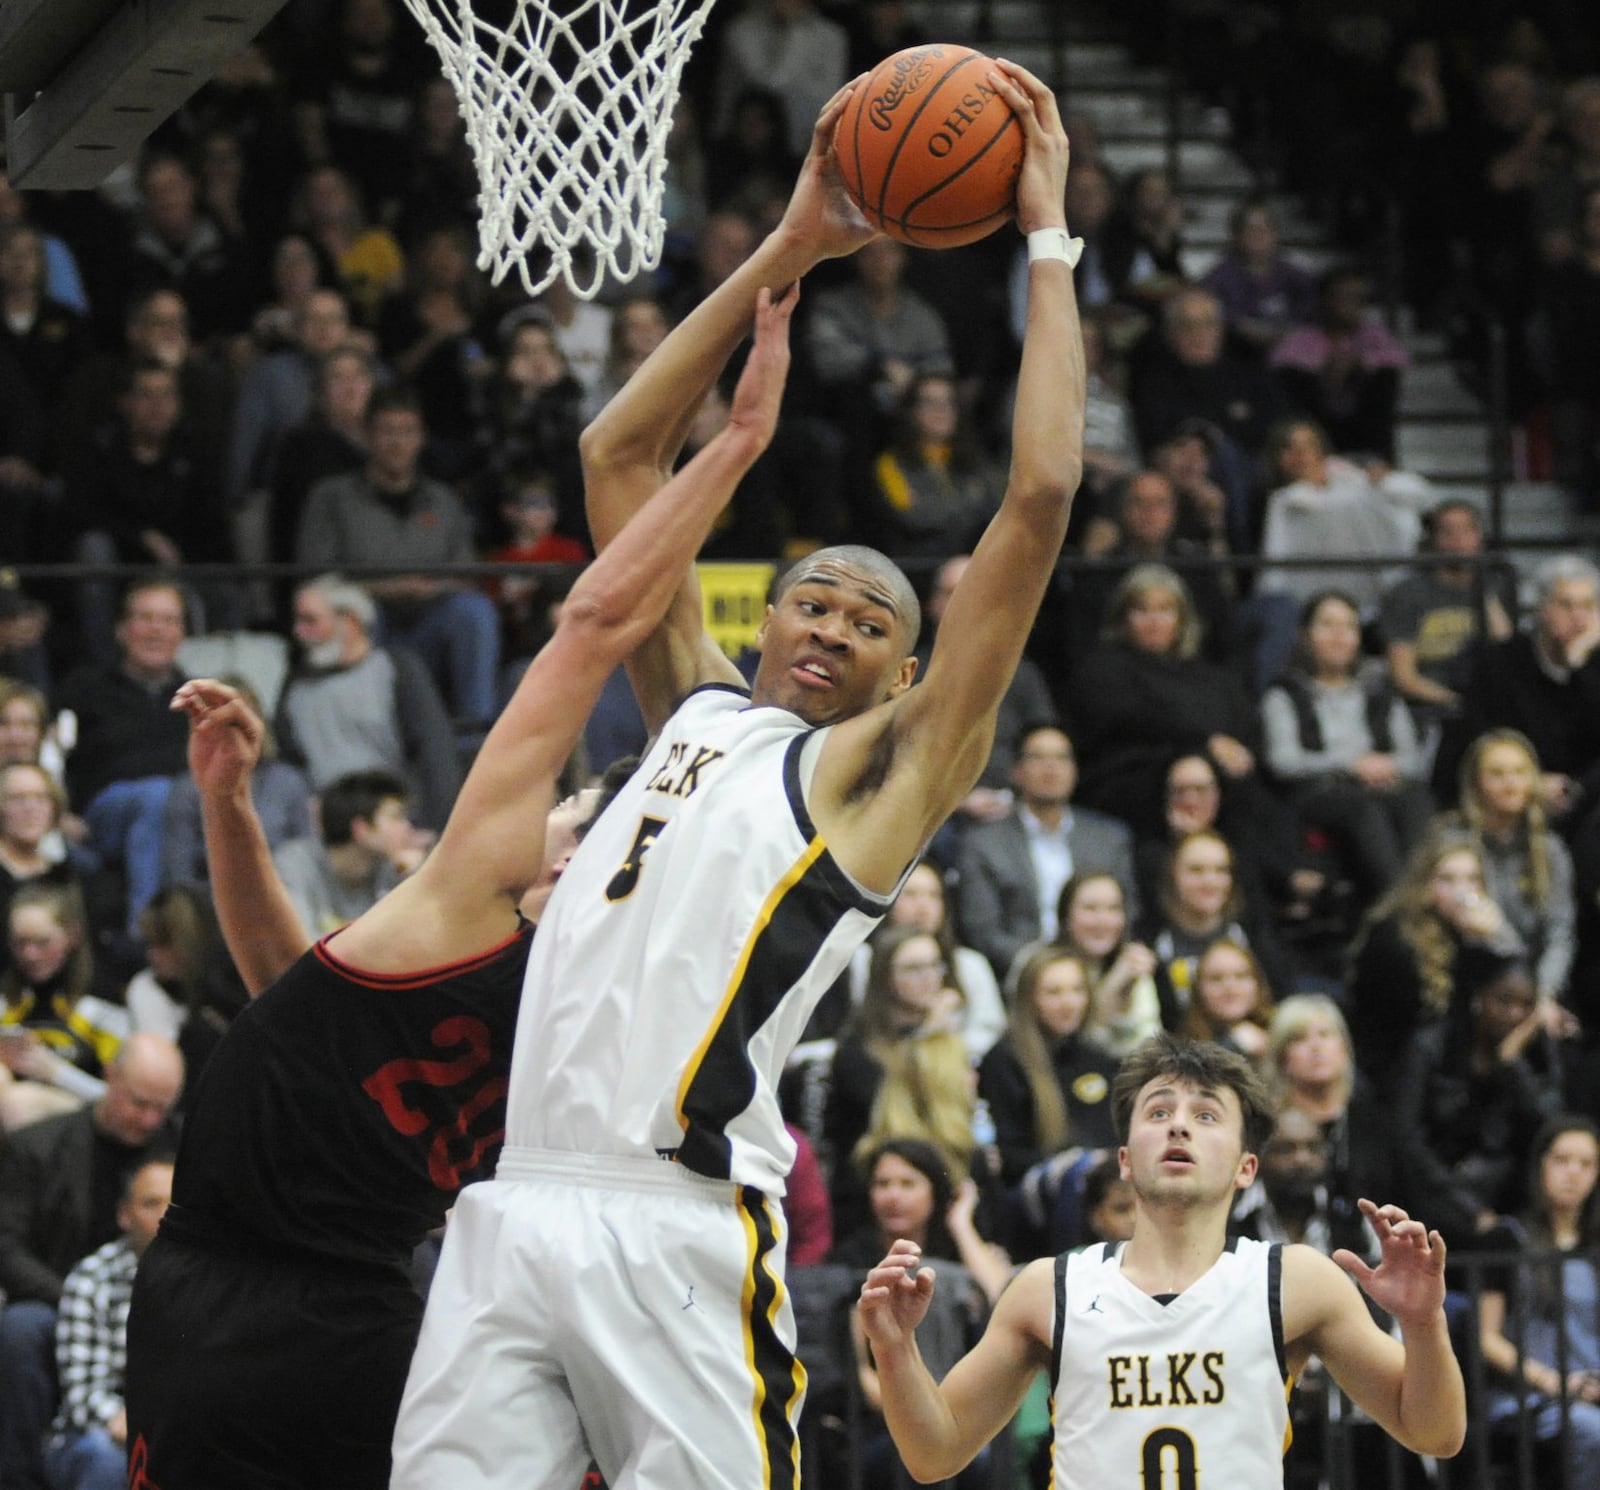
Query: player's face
{"points": [[901, 1196], [1506, 779], [1061, 999], [1097, 918], [1226, 985], [831, 647], [1186, 1145]]}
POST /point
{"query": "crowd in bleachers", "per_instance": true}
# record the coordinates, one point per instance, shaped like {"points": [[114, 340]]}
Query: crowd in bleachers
{"points": [[1344, 818]]}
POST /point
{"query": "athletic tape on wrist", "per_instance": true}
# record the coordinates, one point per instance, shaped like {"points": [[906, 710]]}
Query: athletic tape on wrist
{"points": [[1054, 243]]}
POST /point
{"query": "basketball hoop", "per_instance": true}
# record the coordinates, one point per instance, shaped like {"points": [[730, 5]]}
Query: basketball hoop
{"points": [[568, 117]]}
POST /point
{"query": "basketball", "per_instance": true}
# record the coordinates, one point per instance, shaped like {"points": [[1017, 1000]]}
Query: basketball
{"points": [[928, 149]]}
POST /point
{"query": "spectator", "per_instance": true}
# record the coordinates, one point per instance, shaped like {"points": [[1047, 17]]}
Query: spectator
{"points": [[582, 328], [529, 509], [1565, 321], [1545, 682], [1144, 240], [1145, 696], [367, 259], [1200, 903], [1145, 530], [1527, 869], [911, 991], [58, 1033], [752, 159], [278, 390], [1431, 620], [1559, 197], [391, 514], [32, 805], [130, 745], [1290, 1201], [1540, 1320], [365, 845], [789, 47], [330, 441], [535, 412], [1476, 1092], [1090, 199], [63, 279], [1402, 968], [296, 270], [922, 903], [1110, 447], [806, 1207], [1263, 292], [869, 340], [1093, 924], [1341, 740], [176, 246], [60, 1182], [1343, 370], [1013, 870], [279, 792], [638, 327], [353, 706], [88, 1444], [48, 340], [442, 179], [1232, 1002], [429, 333], [1048, 1081]]}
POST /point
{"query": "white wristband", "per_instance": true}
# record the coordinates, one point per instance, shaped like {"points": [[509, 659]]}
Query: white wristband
{"points": [[1054, 243]]}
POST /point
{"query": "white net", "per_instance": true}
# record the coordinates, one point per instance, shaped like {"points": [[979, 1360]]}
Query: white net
{"points": [[568, 116]]}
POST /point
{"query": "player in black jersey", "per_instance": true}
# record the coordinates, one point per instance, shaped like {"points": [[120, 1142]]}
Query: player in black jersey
{"points": [[272, 1319]]}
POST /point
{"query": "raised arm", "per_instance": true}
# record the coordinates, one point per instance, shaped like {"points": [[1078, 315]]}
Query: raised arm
{"points": [[1411, 1387], [492, 848], [263, 931], [941, 732], [939, 1427], [629, 449]]}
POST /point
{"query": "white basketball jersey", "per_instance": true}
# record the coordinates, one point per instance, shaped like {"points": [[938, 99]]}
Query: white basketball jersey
{"points": [[683, 951], [1175, 1396]]}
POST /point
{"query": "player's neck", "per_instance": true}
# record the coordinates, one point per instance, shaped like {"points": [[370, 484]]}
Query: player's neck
{"points": [[1172, 1247]]}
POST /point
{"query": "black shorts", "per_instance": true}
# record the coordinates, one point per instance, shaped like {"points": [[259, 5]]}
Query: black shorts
{"points": [[264, 1373]]}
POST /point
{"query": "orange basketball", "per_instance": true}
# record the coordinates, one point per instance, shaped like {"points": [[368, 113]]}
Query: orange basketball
{"points": [[928, 148]]}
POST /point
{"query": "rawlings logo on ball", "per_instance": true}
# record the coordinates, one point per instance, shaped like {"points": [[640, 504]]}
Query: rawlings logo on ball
{"points": [[909, 72]]}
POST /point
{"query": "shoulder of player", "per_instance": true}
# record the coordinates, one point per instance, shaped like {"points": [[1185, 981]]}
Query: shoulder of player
{"points": [[1028, 1304], [1314, 1290]]}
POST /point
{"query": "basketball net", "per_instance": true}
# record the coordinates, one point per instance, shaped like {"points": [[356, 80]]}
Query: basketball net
{"points": [[568, 119]]}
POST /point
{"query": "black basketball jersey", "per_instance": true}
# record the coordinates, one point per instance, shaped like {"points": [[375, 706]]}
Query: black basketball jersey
{"points": [[344, 1110]]}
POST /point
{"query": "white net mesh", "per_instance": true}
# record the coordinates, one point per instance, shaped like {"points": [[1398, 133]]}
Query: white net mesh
{"points": [[568, 117]]}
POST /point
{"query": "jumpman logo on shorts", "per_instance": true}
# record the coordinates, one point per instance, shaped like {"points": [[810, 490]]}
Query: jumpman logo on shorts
{"points": [[689, 1303], [1094, 1306]]}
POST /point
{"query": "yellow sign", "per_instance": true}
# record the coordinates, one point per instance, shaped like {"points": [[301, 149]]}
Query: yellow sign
{"points": [[735, 600]]}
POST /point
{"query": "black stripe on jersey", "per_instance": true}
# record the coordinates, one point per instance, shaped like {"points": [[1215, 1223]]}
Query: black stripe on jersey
{"points": [[1059, 1332], [781, 1379], [720, 1081], [741, 689], [838, 881], [1275, 1305]]}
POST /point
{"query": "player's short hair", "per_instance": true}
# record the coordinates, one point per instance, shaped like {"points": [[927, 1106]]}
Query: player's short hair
{"points": [[1199, 1063], [879, 565]]}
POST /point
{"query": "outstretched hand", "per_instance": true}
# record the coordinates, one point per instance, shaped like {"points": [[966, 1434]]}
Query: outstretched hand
{"points": [[766, 369], [895, 1297], [1409, 1279], [820, 215], [225, 736], [1042, 186]]}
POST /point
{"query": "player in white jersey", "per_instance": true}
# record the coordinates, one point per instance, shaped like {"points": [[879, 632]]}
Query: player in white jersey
{"points": [[1171, 1356], [618, 1289]]}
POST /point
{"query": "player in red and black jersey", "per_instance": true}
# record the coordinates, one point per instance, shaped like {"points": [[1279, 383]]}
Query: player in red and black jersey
{"points": [[272, 1319]]}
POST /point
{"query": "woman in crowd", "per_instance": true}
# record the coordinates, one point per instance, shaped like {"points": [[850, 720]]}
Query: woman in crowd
{"points": [[1264, 292], [295, 270], [923, 904], [911, 992], [639, 326], [1093, 920], [1543, 1316], [57, 1034], [1145, 696], [1341, 739], [1200, 902], [32, 806], [1402, 971], [1232, 1002], [1048, 1082], [535, 412], [1527, 869], [932, 490]]}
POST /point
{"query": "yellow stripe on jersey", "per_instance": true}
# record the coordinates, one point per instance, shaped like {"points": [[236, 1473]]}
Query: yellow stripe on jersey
{"points": [[1288, 1427], [796, 872]]}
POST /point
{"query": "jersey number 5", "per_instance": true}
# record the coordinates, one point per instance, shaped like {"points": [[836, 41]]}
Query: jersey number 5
{"points": [[1185, 1470], [626, 879]]}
